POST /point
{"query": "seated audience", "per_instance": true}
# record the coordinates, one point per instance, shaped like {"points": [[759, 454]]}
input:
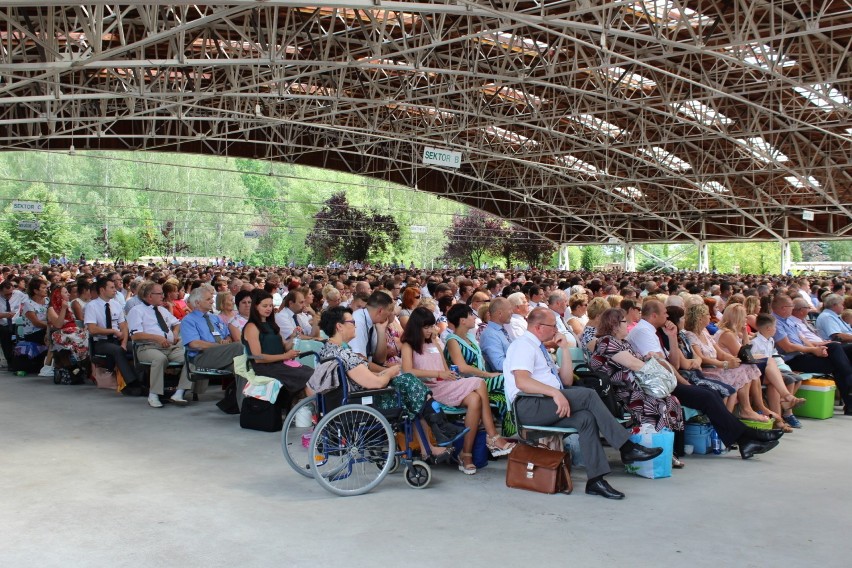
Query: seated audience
{"points": [[422, 356], [157, 334]]}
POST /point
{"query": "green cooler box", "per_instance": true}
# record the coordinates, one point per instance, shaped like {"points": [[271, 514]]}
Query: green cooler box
{"points": [[820, 399]]}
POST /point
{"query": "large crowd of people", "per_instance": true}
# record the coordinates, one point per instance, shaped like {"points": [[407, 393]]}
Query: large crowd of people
{"points": [[474, 338]]}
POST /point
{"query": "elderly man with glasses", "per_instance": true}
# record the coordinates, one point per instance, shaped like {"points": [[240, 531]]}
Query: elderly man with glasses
{"points": [[157, 333], [529, 369], [805, 356]]}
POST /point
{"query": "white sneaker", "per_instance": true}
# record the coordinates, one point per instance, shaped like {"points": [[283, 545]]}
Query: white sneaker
{"points": [[46, 371], [154, 402], [178, 399]]}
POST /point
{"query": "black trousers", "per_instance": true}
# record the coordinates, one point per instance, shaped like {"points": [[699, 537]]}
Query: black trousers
{"points": [[729, 428], [836, 364], [8, 347], [119, 355]]}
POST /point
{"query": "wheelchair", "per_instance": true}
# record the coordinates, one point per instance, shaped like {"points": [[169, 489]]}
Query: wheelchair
{"points": [[348, 446]]}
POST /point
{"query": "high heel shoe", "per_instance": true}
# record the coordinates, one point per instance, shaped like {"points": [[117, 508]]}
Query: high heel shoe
{"points": [[466, 468], [497, 451]]}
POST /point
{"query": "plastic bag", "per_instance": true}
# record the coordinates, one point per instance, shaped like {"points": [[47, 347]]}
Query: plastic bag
{"points": [[661, 466]]}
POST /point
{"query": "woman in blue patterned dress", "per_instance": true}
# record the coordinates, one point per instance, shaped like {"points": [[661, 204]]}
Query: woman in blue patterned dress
{"points": [[462, 350]]}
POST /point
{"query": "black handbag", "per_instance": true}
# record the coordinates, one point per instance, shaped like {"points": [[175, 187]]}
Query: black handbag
{"points": [[599, 381], [745, 354], [257, 414]]}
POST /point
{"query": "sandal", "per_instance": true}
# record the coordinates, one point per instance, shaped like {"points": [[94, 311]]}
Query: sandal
{"points": [[677, 464], [497, 451], [792, 401], [466, 468], [779, 424]]}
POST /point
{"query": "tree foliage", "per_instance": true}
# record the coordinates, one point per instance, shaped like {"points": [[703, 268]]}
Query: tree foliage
{"points": [[54, 233], [590, 257], [344, 232], [531, 249], [470, 237]]}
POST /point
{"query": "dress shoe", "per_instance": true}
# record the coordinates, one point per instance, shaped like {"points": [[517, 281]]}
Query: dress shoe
{"points": [[762, 435], [132, 390], [751, 447], [637, 453], [604, 489]]}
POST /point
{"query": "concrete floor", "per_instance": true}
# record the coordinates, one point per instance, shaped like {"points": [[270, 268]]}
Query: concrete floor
{"points": [[91, 478]]}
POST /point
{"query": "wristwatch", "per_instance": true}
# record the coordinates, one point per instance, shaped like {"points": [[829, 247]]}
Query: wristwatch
{"points": [[725, 365]]}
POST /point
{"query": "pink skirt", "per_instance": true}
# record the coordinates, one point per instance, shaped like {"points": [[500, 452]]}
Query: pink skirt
{"points": [[452, 393]]}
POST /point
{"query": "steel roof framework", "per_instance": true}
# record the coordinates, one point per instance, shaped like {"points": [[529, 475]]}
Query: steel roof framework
{"points": [[641, 121]]}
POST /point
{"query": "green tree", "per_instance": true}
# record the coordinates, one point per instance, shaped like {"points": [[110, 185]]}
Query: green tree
{"points": [[54, 235], [342, 231], [590, 256]]}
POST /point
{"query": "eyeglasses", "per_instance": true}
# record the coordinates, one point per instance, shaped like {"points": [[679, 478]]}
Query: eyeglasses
{"points": [[349, 321], [155, 293], [548, 324]]}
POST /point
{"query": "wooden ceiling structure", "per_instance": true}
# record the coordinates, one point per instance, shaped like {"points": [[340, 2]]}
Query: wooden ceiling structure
{"points": [[584, 121]]}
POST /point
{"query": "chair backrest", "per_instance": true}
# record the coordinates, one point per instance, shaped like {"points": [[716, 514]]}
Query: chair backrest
{"points": [[313, 345]]}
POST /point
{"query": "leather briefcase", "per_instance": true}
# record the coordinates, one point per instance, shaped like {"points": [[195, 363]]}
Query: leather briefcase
{"points": [[538, 469]]}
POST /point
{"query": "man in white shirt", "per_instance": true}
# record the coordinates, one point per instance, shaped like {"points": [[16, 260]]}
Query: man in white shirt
{"points": [[119, 288], [557, 302], [520, 309], [529, 369], [371, 324], [643, 337], [157, 333], [105, 321], [10, 302], [289, 319], [799, 320]]}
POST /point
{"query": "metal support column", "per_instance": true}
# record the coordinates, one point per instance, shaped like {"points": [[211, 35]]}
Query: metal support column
{"points": [[703, 257], [563, 257], [629, 257], [786, 256]]}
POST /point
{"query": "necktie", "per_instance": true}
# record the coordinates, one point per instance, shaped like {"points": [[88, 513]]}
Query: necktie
{"points": [[295, 322], [8, 309], [108, 313], [506, 333], [370, 331], [549, 361], [218, 338], [161, 322]]}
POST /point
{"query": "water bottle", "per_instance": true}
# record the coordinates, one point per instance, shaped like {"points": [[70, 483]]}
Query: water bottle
{"points": [[304, 417], [716, 443]]}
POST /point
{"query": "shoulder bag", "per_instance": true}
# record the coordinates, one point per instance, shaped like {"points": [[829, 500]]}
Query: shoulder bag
{"points": [[538, 469], [655, 379]]}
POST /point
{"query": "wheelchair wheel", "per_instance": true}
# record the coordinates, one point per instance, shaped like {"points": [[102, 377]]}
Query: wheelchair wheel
{"points": [[352, 450], [295, 450], [418, 475], [397, 461]]}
